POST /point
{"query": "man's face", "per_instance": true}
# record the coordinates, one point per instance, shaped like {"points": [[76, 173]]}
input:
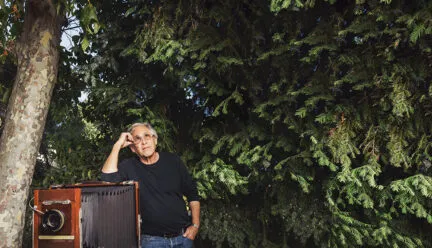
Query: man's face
{"points": [[144, 143]]}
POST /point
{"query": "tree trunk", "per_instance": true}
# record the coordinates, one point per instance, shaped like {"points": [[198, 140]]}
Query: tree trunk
{"points": [[38, 54]]}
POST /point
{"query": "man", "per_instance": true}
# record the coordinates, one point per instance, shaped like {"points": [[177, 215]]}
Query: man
{"points": [[163, 180]]}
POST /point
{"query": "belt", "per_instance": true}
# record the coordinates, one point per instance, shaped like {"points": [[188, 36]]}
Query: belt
{"points": [[170, 235]]}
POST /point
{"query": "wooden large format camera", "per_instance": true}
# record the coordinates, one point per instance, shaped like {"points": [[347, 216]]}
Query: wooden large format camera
{"points": [[87, 215]]}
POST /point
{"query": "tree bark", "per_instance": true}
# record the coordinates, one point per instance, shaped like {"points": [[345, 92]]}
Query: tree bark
{"points": [[38, 54]]}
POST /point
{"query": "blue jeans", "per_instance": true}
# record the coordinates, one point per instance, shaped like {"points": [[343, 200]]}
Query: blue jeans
{"points": [[148, 241]]}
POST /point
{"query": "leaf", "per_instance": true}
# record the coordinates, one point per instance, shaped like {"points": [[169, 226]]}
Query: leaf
{"points": [[85, 43], [130, 11], [417, 32], [301, 112], [96, 27], [89, 18]]}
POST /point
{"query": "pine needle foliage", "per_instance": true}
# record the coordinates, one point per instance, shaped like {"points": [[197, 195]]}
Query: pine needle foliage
{"points": [[328, 97]]}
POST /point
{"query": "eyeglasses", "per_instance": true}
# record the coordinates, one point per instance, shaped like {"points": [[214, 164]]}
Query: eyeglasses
{"points": [[139, 139]]}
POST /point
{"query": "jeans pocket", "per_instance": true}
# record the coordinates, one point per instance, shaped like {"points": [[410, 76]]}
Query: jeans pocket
{"points": [[187, 243]]}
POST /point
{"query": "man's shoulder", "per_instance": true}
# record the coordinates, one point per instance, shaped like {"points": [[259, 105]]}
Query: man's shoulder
{"points": [[169, 156]]}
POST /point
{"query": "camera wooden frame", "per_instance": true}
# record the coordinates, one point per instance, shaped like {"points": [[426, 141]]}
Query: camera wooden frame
{"points": [[72, 201]]}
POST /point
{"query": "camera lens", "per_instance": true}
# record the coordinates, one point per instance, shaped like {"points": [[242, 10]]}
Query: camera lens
{"points": [[53, 220]]}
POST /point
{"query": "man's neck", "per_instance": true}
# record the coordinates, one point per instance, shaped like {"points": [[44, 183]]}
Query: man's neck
{"points": [[151, 159]]}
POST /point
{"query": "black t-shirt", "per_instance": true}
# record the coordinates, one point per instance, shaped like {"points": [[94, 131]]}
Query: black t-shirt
{"points": [[161, 188]]}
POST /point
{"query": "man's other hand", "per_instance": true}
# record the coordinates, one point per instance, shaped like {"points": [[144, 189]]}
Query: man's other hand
{"points": [[191, 232]]}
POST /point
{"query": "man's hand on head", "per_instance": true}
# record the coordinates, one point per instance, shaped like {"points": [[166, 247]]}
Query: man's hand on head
{"points": [[111, 164], [125, 140]]}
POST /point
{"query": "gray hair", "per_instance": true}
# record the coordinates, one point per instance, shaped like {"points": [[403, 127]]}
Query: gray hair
{"points": [[143, 124]]}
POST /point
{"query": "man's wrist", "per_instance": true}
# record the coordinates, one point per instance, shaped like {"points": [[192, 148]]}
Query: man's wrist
{"points": [[117, 146], [196, 226]]}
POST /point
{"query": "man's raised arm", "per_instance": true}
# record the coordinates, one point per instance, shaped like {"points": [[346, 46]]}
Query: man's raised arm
{"points": [[111, 164]]}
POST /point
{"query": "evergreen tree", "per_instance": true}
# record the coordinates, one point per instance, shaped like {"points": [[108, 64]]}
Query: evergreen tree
{"points": [[317, 109]]}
